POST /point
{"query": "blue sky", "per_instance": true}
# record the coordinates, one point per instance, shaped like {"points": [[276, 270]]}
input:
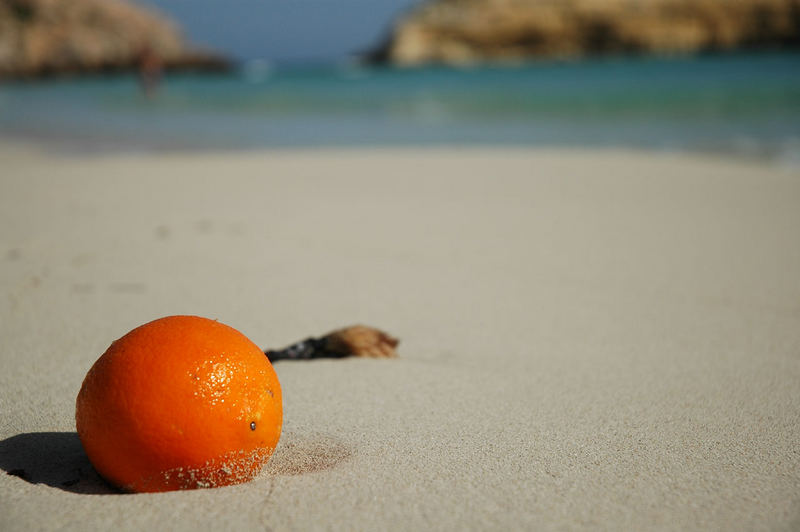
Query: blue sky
{"points": [[284, 30]]}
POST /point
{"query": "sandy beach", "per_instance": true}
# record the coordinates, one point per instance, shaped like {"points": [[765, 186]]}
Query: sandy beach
{"points": [[602, 340]]}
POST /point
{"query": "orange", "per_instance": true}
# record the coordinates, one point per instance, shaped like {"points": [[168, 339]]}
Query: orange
{"points": [[178, 403]]}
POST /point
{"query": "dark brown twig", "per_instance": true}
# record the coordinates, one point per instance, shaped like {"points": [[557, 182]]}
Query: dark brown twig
{"points": [[357, 340]]}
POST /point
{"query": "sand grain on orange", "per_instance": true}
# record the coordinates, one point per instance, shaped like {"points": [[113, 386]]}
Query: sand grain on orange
{"points": [[178, 403]]}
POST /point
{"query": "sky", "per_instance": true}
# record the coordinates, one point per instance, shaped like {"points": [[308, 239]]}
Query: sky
{"points": [[284, 30]]}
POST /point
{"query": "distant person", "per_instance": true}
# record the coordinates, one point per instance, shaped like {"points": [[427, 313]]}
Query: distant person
{"points": [[150, 69]]}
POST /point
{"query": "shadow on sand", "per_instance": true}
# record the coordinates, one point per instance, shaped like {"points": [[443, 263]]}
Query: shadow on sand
{"points": [[55, 459]]}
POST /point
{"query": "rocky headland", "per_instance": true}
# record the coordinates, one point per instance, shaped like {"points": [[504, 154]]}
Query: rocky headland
{"points": [[61, 37], [475, 31]]}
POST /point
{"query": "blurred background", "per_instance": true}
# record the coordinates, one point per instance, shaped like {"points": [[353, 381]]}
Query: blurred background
{"points": [[706, 75]]}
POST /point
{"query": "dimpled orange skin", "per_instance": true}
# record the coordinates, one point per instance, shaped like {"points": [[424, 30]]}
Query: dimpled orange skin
{"points": [[170, 405]]}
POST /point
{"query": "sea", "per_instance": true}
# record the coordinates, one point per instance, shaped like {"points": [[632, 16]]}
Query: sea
{"points": [[742, 104]]}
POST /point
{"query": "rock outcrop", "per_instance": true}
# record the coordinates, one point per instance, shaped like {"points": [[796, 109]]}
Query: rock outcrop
{"points": [[52, 37], [469, 31]]}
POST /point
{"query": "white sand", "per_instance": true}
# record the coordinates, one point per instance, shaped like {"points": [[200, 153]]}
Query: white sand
{"points": [[598, 340]]}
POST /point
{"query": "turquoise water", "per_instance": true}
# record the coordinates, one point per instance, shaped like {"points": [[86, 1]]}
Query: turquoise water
{"points": [[738, 103]]}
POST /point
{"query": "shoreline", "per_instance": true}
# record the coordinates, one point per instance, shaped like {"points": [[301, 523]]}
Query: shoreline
{"points": [[788, 158]]}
